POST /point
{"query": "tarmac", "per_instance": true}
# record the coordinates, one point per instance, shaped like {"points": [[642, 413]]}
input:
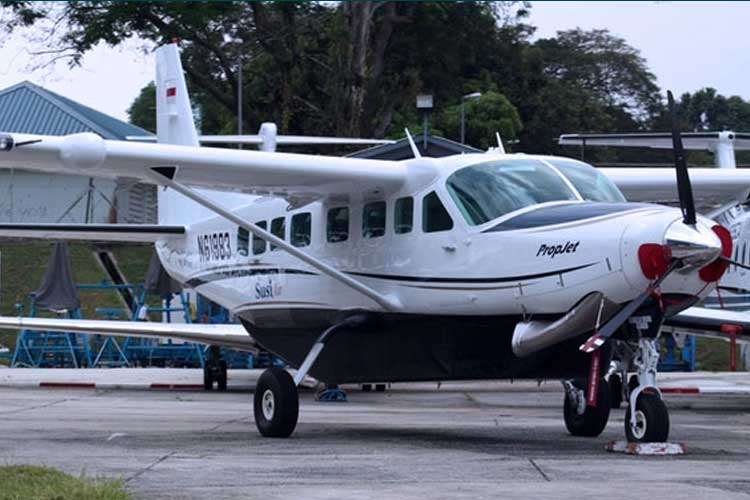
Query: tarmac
{"points": [[459, 440]]}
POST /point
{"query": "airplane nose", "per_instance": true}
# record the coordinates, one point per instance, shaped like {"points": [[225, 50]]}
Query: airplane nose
{"points": [[694, 245]]}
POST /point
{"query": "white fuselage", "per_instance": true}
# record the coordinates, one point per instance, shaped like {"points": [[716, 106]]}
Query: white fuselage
{"points": [[545, 267]]}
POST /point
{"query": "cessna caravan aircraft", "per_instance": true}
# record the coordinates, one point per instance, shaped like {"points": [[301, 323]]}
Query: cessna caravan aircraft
{"points": [[475, 266]]}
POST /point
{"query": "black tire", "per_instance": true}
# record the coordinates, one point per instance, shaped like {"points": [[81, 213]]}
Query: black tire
{"points": [[653, 419], [221, 380], [633, 383], [379, 387], [276, 386], [594, 420], [615, 391], [208, 380], [366, 387]]}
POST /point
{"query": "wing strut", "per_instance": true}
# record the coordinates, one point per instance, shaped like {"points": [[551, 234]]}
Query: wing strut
{"points": [[165, 176]]}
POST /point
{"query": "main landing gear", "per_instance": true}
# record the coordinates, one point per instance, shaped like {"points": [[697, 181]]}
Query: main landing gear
{"points": [[215, 370], [276, 400], [582, 419]]}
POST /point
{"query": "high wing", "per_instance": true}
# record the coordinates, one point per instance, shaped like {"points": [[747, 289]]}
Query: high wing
{"points": [[253, 172], [704, 322], [711, 186], [259, 140], [657, 140], [125, 233], [229, 335]]}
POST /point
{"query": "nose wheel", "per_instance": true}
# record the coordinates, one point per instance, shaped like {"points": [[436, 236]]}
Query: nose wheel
{"points": [[647, 418]]}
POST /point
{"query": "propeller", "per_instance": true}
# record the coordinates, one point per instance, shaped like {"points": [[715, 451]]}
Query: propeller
{"points": [[687, 205], [610, 327], [734, 262], [684, 190]]}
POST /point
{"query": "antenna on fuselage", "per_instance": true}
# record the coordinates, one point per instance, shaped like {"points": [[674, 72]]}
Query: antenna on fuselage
{"points": [[414, 148]]}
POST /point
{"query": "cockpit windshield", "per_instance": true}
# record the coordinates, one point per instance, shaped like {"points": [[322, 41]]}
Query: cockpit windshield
{"points": [[591, 184], [486, 191]]}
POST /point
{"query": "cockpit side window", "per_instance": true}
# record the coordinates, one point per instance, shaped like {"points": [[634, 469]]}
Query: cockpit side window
{"points": [[489, 190], [434, 215], [590, 183]]}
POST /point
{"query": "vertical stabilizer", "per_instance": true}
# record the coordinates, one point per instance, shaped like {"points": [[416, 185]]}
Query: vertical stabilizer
{"points": [[174, 115]]}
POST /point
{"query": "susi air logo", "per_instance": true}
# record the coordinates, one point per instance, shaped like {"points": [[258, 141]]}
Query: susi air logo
{"points": [[267, 289], [552, 250]]}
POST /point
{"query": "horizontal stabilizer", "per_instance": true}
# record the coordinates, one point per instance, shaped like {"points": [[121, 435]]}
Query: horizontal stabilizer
{"points": [[127, 233], [705, 141], [231, 335], [705, 322]]}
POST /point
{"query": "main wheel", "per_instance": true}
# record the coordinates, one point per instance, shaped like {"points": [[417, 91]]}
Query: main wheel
{"points": [[276, 403], [208, 380], [594, 420], [651, 420], [221, 379], [615, 390]]}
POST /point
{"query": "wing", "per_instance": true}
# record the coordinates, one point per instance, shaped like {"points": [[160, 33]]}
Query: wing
{"points": [[657, 140], [710, 185], [253, 172], [258, 140], [232, 335], [125, 233], [705, 322]]}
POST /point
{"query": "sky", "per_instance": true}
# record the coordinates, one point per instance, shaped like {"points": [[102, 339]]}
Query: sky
{"points": [[687, 45]]}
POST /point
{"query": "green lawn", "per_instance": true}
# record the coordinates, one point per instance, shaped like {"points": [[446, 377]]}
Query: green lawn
{"points": [[23, 265], [31, 482]]}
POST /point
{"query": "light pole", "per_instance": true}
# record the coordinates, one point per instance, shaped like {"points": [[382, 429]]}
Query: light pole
{"points": [[465, 98]]}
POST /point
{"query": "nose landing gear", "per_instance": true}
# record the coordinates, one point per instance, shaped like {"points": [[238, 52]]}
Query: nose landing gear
{"points": [[647, 418], [580, 419]]}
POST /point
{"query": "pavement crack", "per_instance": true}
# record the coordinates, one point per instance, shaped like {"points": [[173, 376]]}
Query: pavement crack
{"points": [[539, 470], [232, 421], [150, 466], [37, 407]]}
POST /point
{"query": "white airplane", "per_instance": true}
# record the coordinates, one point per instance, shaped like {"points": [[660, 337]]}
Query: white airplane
{"points": [[475, 266]]}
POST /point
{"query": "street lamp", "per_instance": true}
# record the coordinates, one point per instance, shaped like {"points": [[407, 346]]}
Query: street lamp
{"points": [[473, 95]]}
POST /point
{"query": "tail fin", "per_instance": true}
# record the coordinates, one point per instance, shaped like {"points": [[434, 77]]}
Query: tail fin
{"points": [[174, 115], [174, 125]]}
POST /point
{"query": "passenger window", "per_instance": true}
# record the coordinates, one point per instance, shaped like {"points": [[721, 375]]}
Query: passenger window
{"points": [[337, 227], [243, 241], [278, 229], [403, 215], [434, 215], [373, 219], [259, 244], [301, 229]]}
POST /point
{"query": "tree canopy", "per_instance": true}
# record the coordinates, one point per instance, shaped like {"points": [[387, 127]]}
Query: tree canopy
{"points": [[355, 68]]}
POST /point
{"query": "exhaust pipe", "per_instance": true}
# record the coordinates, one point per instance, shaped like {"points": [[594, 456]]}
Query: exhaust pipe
{"points": [[533, 336]]}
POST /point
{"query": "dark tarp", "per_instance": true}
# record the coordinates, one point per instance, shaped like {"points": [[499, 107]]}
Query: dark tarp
{"points": [[157, 279], [58, 290]]}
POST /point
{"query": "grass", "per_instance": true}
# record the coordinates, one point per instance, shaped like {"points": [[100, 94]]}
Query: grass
{"points": [[31, 482], [23, 266]]}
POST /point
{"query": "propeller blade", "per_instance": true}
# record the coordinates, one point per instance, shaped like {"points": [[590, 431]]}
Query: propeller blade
{"points": [[610, 327], [734, 262], [684, 190]]}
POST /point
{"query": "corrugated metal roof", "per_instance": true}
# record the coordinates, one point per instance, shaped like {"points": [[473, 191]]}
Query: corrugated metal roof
{"points": [[28, 108], [401, 150]]}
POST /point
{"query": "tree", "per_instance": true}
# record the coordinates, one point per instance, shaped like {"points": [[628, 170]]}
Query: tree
{"points": [[485, 116]]}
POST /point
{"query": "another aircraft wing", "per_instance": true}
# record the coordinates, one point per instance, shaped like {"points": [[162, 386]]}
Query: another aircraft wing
{"points": [[710, 185], [704, 322], [254, 172], [656, 140], [230, 335], [125, 233]]}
